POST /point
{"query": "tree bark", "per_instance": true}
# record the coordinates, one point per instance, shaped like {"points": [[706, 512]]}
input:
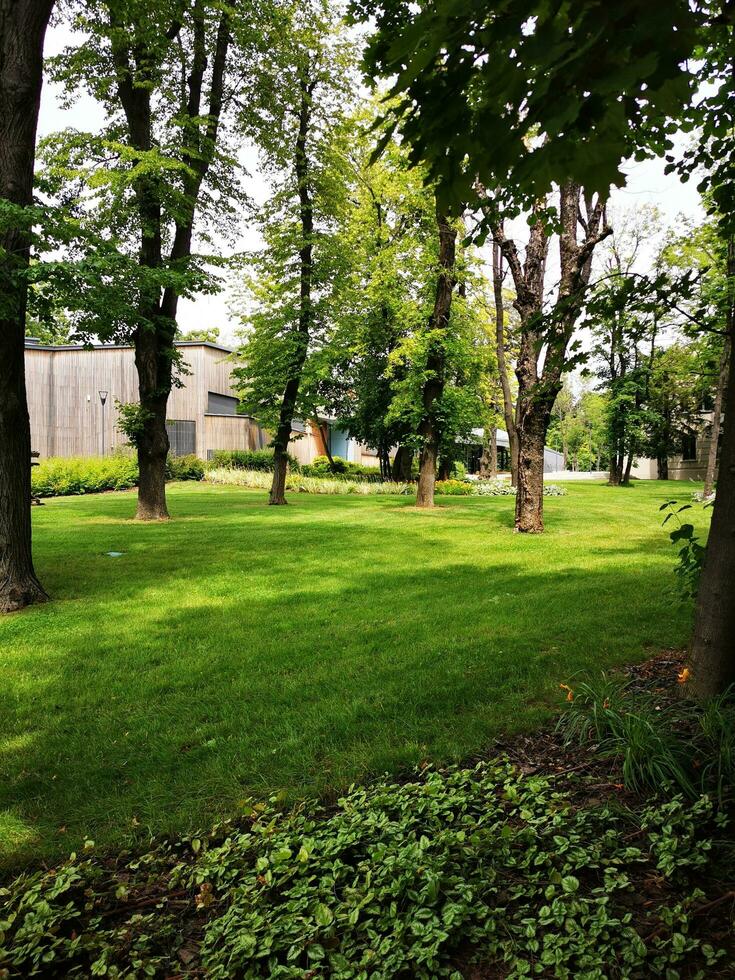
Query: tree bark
{"points": [[508, 407], [402, 464], [22, 31], [709, 475], [537, 390], [435, 362], [662, 468], [713, 642], [303, 330]]}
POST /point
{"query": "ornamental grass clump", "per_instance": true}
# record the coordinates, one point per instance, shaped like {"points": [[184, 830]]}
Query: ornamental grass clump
{"points": [[663, 744], [298, 483]]}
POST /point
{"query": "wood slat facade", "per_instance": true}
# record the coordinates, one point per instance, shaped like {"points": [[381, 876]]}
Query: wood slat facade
{"points": [[67, 417]]}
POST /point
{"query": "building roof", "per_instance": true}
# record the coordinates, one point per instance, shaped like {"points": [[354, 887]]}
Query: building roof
{"points": [[31, 343]]}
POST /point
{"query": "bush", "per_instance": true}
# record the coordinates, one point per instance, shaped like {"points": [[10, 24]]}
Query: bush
{"points": [[63, 477], [185, 468], [453, 488], [249, 459], [320, 466]]}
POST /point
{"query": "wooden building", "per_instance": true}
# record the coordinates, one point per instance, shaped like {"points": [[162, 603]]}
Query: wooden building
{"points": [[69, 419]]}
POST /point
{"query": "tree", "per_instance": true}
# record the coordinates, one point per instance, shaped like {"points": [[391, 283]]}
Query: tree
{"points": [[22, 30], [524, 95], [387, 243], [429, 429], [588, 91], [582, 225], [160, 71], [304, 103], [208, 335]]}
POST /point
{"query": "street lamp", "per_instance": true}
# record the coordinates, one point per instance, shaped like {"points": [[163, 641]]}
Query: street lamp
{"points": [[103, 399]]}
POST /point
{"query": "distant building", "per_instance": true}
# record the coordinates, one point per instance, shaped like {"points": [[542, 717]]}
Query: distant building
{"points": [[690, 462], [553, 460], [68, 418]]}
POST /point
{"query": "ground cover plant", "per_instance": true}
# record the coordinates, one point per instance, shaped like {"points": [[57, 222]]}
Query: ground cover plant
{"points": [[234, 652], [420, 878]]}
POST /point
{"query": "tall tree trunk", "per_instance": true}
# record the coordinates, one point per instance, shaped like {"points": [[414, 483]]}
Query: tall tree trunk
{"points": [[534, 422], [713, 644], [662, 468], [306, 266], [402, 464], [711, 469], [154, 338], [435, 362], [277, 494], [489, 457], [508, 407], [628, 469], [22, 30], [154, 386]]}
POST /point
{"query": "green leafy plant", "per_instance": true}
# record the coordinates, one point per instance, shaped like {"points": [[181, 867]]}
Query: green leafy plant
{"points": [[132, 419], [453, 488], [393, 880], [688, 568]]}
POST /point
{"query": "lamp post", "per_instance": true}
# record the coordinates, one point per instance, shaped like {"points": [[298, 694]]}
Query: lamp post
{"points": [[103, 399]]}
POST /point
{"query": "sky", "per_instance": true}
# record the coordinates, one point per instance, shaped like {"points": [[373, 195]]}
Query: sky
{"points": [[646, 185]]}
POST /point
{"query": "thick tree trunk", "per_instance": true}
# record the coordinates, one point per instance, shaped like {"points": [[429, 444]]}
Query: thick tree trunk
{"points": [[529, 517], [435, 363], [628, 469], [711, 469], [427, 476], [154, 386], [402, 464], [277, 495], [662, 468], [713, 643], [22, 31]]}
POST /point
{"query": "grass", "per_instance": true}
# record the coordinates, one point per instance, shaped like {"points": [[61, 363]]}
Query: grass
{"points": [[242, 649]]}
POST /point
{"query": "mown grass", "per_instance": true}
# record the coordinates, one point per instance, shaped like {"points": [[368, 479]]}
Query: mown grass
{"points": [[243, 649]]}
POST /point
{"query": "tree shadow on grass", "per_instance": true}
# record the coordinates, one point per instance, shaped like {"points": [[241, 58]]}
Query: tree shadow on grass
{"points": [[201, 672]]}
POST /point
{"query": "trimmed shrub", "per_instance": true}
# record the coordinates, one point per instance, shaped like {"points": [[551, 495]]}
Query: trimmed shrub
{"points": [[249, 459], [64, 477], [59, 477], [185, 468], [320, 466]]}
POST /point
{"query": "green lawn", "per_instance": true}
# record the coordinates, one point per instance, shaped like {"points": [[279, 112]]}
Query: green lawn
{"points": [[243, 649]]}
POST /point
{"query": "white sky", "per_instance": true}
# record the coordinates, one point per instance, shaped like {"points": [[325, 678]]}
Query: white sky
{"points": [[647, 184]]}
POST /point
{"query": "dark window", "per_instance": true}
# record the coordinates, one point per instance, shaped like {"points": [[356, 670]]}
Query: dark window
{"points": [[182, 437], [221, 404], [689, 449]]}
